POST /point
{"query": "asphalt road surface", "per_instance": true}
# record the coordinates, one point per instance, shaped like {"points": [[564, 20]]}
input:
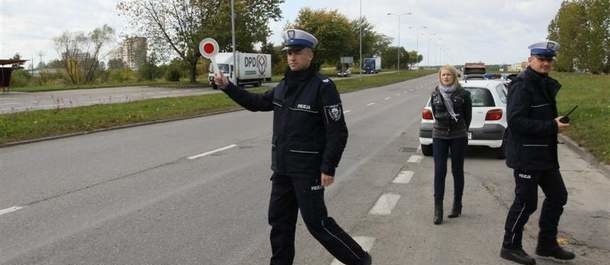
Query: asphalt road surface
{"points": [[196, 192]]}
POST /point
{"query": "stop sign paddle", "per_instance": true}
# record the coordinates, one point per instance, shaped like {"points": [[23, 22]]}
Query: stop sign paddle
{"points": [[208, 48]]}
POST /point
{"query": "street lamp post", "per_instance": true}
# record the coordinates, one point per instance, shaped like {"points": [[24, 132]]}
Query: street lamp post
{"points": [[398, 40], [360, 30], [233, 41], [428, 52]]}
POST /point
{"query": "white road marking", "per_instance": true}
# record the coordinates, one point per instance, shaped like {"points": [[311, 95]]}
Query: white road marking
{"points": [[385, 204], [414, 159], [10, 210], [403, 177], [364, 241], [388, 98], [346, 111], [371, 104], [212, 152]]}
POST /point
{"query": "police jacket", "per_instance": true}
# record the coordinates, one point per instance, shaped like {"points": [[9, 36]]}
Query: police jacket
{"points": [[309, 131], [531, 137], [445, 127]]}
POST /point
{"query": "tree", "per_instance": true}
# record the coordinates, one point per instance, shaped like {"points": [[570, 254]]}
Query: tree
{"points": [[80, 53], [373, 43], [332, 29], [115, 64], [598, 34], [179, 25], [566, 29], [389, 57], [582, 29]]}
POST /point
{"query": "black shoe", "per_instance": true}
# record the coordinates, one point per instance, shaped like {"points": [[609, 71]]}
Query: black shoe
{"points": [[438, 212], [555, 252], [367, 260], [456, 211], [517, 255]]}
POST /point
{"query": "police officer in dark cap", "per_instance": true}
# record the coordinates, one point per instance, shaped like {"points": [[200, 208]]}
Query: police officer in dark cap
{"points": [[531, 150], [309, 135]]}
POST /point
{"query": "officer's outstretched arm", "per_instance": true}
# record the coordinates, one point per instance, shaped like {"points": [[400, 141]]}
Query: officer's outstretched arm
{"points": [[334, 125], [250, 101], [518, 108]]}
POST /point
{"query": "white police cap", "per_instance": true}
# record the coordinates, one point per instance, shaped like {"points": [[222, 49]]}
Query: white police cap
{"points": [[298, 39], [545, 49]]}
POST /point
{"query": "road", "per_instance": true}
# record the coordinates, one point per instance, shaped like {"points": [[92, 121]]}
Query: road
{"points": [[22, 101], [196, 192]]}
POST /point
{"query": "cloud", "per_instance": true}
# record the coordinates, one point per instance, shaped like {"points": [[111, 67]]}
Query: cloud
{"points": [[492, 31]]}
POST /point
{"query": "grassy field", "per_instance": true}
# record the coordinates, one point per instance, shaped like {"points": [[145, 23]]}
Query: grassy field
{"points": [[590, 122], [180, 84], [47, 123]]}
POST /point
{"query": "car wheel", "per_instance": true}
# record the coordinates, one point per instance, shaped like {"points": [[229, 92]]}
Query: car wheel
{"points": [[426, 150]]}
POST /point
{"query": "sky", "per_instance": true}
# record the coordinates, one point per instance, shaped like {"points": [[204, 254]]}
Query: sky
{"points": [[444, 31]]}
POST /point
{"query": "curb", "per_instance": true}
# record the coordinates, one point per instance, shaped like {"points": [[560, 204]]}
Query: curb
{"points": [[585, 155], [118, 127]]}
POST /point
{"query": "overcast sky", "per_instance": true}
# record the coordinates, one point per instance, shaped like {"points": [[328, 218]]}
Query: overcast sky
{"points": [[492, 31]]}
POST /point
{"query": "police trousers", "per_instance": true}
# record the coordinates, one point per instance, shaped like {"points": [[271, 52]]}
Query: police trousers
{"points": [[291, 194], [526, 200]]}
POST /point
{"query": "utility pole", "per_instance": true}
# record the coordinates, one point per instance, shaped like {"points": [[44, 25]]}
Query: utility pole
{"points": [[398, 40], [361, 22], [233, 40]]}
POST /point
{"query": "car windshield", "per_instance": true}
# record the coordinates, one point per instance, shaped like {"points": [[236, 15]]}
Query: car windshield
{"points": [[481, 97], [222, 67]]}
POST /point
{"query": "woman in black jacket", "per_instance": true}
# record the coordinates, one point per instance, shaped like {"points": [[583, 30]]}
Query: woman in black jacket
{"points": [[452, 109]]}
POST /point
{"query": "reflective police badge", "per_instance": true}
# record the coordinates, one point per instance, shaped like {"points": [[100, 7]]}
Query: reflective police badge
{"points": [[333, 112]]}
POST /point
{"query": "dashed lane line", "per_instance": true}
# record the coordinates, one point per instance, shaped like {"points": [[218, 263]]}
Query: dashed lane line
{"points": [[371, 104], [403, 177], [10, 210], [364, 241], [414, 159], [212, 152], [385, 204]]}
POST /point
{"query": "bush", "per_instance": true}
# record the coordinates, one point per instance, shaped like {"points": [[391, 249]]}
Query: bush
{"points": [[20, 78], [173, 75], [121, 75]]}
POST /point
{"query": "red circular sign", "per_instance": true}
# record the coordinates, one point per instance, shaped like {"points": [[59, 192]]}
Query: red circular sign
{"points": [[208, 48]]}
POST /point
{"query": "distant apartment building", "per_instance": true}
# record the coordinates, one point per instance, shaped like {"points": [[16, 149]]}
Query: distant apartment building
{"points": [[134, 51], [518, 67]]}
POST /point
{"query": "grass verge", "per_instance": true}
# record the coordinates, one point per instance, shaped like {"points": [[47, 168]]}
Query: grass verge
{"points": [[590, 122], [38, 124]]}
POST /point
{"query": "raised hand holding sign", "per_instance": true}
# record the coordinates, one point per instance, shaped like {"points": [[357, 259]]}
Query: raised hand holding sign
{"points": [[208, 48]]}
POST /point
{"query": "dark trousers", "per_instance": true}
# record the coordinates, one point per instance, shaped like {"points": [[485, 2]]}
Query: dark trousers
{"points": [[289, 195], [440, 151], [526, 200]]}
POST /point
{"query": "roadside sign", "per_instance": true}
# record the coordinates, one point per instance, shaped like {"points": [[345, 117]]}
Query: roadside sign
{"points": [[208, 48]]}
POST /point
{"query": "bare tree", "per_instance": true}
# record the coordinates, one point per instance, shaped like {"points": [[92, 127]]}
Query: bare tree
{"points": [[80, 53]]}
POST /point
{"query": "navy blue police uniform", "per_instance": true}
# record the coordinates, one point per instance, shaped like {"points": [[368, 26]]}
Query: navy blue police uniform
{"points": [[531, 151], [309, 136]]}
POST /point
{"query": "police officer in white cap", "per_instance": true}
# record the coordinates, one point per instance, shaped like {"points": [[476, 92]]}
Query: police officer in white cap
{"points": [[531, 151], [309, 135]]}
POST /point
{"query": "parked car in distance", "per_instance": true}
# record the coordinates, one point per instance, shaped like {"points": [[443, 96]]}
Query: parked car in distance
{"points": [[488, 117], [474, 77]]}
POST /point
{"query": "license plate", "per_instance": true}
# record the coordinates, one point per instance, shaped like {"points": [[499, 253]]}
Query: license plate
{"points": [[469, 135]]}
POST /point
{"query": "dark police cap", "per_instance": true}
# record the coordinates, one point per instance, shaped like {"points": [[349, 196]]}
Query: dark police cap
{"points": [[545, 49], [298, 39]]}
